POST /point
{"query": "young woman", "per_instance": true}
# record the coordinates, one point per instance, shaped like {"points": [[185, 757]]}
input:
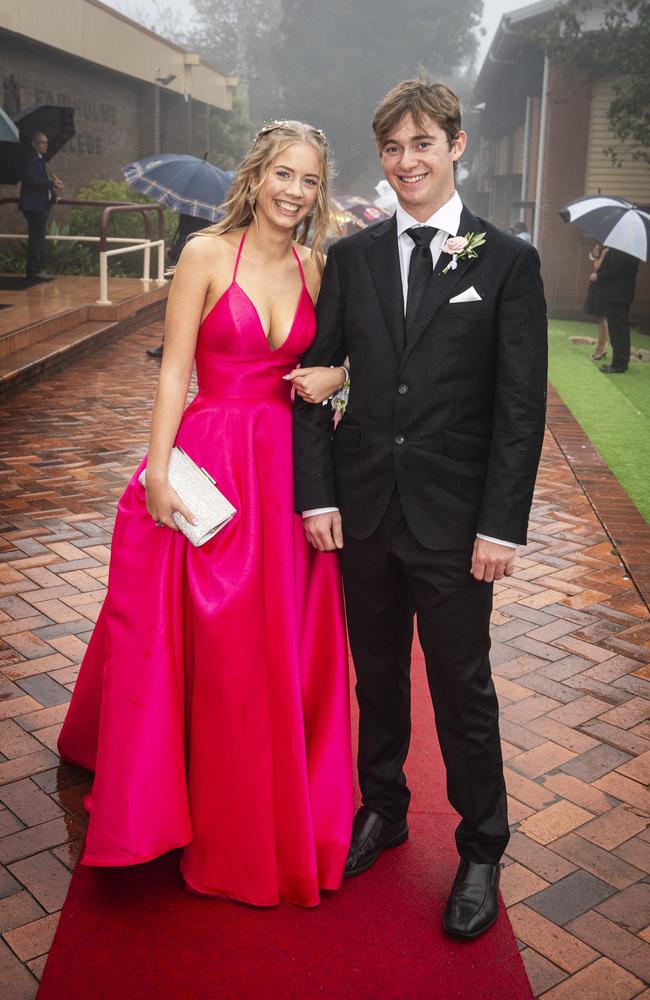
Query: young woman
{"points": [[212, 703]]}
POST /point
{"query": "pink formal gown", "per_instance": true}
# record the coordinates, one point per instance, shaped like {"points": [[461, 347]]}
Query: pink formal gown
{"points": [[212, 703]]}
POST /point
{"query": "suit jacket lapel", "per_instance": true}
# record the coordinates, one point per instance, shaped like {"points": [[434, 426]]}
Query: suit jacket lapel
{"points": [[383, 261], [441, 286]]}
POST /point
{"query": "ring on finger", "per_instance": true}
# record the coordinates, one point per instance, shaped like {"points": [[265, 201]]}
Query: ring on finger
{"points": [[158, 524]]}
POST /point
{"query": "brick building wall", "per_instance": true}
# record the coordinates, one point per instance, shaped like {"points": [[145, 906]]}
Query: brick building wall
{"points": [[114, 116], [563, 249]]}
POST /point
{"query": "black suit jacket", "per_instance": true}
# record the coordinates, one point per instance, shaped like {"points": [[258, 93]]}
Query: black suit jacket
{"points": [[36, 186], [456, 421], [617, 277]]}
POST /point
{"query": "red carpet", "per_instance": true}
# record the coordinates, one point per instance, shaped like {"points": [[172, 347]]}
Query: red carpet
{"points": [[134, 934]]}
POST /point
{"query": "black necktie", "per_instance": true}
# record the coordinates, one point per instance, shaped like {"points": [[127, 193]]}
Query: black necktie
{"points": [[420, 269]]}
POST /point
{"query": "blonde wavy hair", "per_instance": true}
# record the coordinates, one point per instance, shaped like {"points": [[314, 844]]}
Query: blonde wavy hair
{"points": [[270, 141]]}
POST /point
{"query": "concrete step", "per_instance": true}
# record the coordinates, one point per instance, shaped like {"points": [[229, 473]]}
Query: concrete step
{"points": [[49, 326], [24, 336], [26, 363]]}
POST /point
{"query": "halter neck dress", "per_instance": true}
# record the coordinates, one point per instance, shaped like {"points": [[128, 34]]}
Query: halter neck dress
{"points": [[212, 703]]}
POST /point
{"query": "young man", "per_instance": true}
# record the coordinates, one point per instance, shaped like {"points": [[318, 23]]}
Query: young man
{"points": [[426, 484]]}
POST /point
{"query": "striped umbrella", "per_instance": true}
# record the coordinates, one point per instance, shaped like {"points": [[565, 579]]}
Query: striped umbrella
{"points": [[614, 222], [186, 184]]}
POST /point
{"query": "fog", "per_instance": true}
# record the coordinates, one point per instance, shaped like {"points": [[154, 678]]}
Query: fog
{"points": [[182, 10], [493, 10]]}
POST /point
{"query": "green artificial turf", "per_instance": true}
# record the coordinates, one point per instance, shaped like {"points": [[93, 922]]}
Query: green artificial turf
{"points": [[613, 410]]}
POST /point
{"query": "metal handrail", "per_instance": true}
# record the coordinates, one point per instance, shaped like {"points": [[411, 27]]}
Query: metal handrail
{"points": [[59, 237], [103, 299], [131, 207], [105, 253], [72, 201], [104, 239]]}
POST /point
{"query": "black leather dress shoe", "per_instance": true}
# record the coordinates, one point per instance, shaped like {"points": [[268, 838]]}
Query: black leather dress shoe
{"points": [[610, 370], [372, 834], [473, 903]]}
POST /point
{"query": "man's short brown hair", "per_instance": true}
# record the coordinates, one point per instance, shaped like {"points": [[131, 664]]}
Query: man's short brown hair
{"points": [[419, 99]]}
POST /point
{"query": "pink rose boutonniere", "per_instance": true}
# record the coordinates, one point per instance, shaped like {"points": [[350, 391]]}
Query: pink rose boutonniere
{"points": [[462, 248]]}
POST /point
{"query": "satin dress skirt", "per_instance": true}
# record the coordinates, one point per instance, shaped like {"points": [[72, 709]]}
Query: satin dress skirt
{"points": [[212, 703]]}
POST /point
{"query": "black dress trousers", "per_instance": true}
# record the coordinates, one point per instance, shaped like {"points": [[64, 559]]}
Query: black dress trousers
{"points": [[36, 231], [388, 578], [618, 324]]}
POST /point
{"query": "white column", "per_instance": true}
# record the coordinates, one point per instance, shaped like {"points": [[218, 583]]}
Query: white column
{"points": [[541, 150]]}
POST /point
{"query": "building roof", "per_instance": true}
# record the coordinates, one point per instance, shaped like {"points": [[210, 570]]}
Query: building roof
{"points": [[509, 39], [114, 12], [91, 30]]}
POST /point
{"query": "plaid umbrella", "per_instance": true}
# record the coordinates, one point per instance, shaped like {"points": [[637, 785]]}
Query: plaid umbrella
{"points": [[614, 222], [186, 184]]}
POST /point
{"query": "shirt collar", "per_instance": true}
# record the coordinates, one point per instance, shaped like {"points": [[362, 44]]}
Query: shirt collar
{"points": [[446, 218]]}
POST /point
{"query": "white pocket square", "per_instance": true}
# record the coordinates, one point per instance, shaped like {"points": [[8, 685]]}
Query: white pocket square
{"points": [[469, 295]]}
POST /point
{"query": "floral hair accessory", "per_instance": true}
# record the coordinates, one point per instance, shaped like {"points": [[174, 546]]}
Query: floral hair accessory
{"points": [[462, 248], [285, 123]]}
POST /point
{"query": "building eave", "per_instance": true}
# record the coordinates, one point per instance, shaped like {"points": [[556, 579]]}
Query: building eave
{"points": [[98, 34], [508, 42]]}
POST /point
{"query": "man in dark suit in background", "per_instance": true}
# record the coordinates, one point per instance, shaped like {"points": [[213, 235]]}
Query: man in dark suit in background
{"points": [[615, 282], [37, 194], [427, 482]]}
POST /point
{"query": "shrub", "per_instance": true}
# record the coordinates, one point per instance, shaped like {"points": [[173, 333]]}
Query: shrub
{"points": [[86, 221], [13, 257], [66, 257]]}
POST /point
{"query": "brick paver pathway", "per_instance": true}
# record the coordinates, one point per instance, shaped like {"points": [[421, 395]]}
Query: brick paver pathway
{"points": [[571, 661]]}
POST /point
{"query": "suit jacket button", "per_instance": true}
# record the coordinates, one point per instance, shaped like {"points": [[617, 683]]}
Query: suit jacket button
{"points": [[403, 389], [399, 439]]}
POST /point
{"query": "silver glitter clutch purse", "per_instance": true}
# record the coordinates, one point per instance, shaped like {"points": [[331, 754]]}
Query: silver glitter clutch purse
{"points": [[198, 491]]}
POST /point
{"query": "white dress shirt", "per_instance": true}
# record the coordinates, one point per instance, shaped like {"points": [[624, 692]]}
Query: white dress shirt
{"points": [[447, 221]]}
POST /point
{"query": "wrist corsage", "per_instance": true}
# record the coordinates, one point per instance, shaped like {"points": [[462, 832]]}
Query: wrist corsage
{"points": [[339, 400]]}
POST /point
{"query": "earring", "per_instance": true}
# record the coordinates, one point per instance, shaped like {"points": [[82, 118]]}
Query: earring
{"points": [[251, 198]]}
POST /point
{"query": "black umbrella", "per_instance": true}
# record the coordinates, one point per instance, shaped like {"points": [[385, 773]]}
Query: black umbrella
{"points": [[10, 150], [56, 122]]}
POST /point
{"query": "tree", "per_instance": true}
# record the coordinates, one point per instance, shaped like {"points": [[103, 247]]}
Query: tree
{"points": [[231, 133], [337, 59], [241, 37], [618, 48]]}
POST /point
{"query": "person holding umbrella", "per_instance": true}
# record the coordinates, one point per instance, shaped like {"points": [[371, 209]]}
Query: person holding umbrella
{"points": [[37, 195], [192, 187], [187, 224], [615, 281], [625, 230]]}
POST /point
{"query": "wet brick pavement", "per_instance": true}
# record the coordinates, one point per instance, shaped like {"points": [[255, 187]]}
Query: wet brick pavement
{"points": [[571, 659]]}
